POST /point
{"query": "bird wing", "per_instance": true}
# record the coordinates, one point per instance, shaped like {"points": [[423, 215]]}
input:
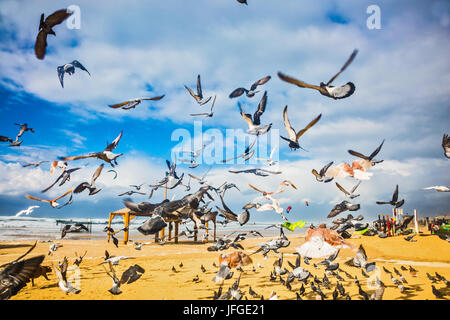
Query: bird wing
{"points": [[376, 151], [46, 189], [77, 64], [118, 105], [313, 122], [192, 93], [342, 189], [250, 146], [357, 154], [199, 88], [60, 71], [227, 214], [237, 92], [301, 83], [63, 195], [97, 174], [325, 168], [259, 82], [214, 101], [113, 145], [247, 117], [34, 198], [57, 17], [395, 195], [263, 192], [355, 187], [260, 110], [190, 175], [287, 125], [347, 63], [315, 173], [154, 98], [199, 114], [89, 155], [41, 44]]}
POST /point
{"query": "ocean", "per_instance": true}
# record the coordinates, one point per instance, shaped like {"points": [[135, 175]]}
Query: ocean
{"points": [[30, 228]]}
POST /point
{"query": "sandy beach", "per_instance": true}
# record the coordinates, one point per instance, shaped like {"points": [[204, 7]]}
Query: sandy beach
{"points": [[429, 254]]}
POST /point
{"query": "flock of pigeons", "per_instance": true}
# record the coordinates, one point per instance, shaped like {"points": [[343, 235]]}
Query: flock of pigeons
{"points": [[190, 206]]}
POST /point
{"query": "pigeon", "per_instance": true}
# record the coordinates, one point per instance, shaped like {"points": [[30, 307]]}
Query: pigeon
{"points": [[27, 211], [53, 247], [327, 89], [331, 266], [129, 193], [321, 176], [278, 264], [269, 161], [340, 288], [223, 273], [253, 293], [279, 189], [59, 164], [23, 128], [341, 207], [171, 180], [438, 188], [360, 260], [362, 293], [113, 259], [79, 259], [243, 2], [37, 164], [90, 186], [106, 155], [394, 202], [16, 274], [248, 153], [410, 238], [368, 161], [115, 289], [437, 293], [254, 125], [69, 68], [242, 218], [293, 135], [379, 291], [61, 274], [132, 103], [45, 28], [132, 274], [65, 176], [206, 114], [446, 145], [350, 194], [199, 96], [52, 202], [250, 93], [256, 171]]}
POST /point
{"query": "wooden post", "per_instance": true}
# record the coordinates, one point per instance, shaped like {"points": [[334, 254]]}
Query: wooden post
{"points": [[207, 232], [170, 231], [111, 216], [162, 233], [214, 230], [195, 233], [126, 218], [165, 192], [176, 231]]}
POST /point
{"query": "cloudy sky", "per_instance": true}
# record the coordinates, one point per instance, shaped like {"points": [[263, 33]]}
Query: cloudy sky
{"points": [[148, 48]]}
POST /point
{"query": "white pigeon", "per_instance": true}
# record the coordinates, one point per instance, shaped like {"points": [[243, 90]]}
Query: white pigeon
{"points": [[438, 188], [26, 211]]}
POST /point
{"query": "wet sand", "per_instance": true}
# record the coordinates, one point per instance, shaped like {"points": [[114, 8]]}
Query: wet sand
{"points": [[429, 254]]}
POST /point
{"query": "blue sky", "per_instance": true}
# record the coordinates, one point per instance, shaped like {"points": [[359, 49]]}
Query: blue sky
{"points": [[147, 48]]}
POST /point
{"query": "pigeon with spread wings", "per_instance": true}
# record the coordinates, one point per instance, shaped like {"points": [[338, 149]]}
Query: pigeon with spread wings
{"points": [[106, 155], [32, 164], [45, 28], [256, 171], [350, 194], [91, 186], [438, 188], [132, 103], [242, 218], [65, 176], [321, 176], [199, 96], [279, 189], [69, 68], [250, 93], [327, 89], [294, 136], [254, 125], [394, 202], [269, 160], [23, 128], [52, 202]]}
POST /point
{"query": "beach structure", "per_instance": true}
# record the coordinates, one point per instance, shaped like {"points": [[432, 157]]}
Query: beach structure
{"points": [[128, 216]]}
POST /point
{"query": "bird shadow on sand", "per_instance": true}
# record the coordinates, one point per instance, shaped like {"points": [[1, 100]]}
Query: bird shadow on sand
{"points": [[53, 285]]}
